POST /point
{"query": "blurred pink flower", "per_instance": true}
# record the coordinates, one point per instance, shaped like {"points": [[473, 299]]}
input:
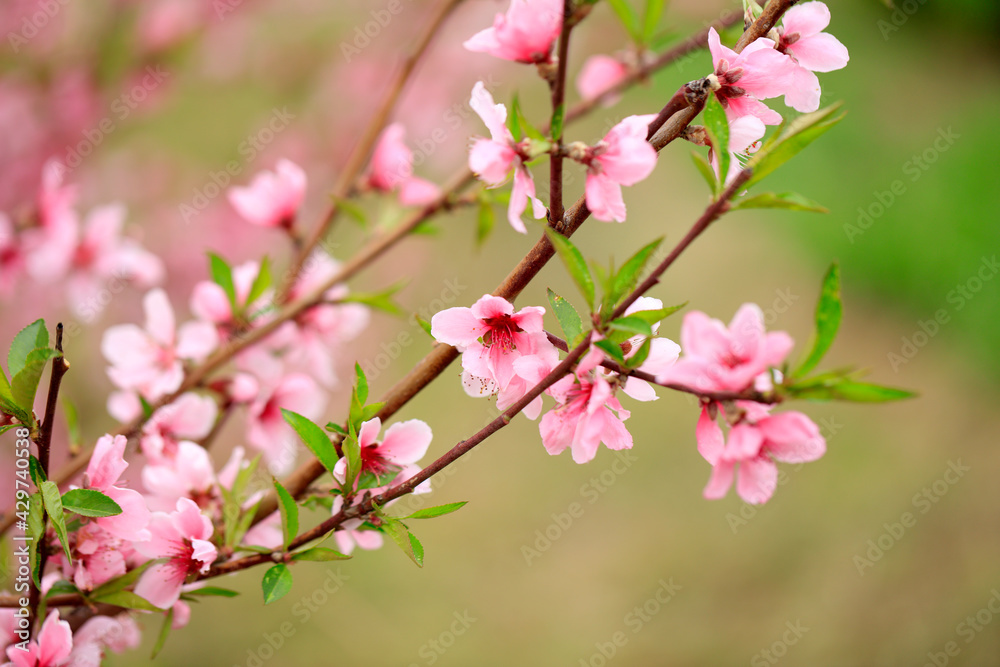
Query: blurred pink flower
{"points": [[182, 537], [801, 36], [491, 159], [745, 78], [600, 74], [50, 649], [717, 358], [107, 463], [189, 474], [190, 417], [273, 198], [525, 34], [392, 168], [623, 157], [98, 557]]}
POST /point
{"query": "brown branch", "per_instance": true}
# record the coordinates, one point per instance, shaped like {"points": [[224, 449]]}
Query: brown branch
{"points": [[558, 100]]}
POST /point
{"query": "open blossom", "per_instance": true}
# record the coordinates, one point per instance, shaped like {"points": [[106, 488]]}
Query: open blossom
{"points": [[492, 159], [148, 360], [98, 556], [587, 414], [182, 537], [801, 36], [189, 474], [273, 198], [392, 168], [746, 78], [753, 446], [600, 74], [106, 466], [210, 302], [663, 353], [51, 649], [190, 417], [623, 157], [524, 34], [717, 358], [395, 457], [492, 337]]}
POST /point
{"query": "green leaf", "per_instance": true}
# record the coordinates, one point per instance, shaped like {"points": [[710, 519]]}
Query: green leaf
{"points": [[628, 276], [640, 356], [612, 350], [261, 282], [654, 10], [658, 314], [405, 540], [629, 18], [334, 427], [424, 324], [28, 339], [313, 437], [222, 275], [124, 581], [791, 139], [54, 508], [352, 210], [575, 264], [440, 510], [62, 587], [514, 119], [418, 550], [72, 423], [289, 513], [717, 129], [519, 121], [276, 583], [556, 125], [320, 554], [569, 319], [361, 383], [24, 385], [36, 531], [864, 392], [786, 200], [212, 591], [829, 311], [37, 474], [352, 452], [378, 300], [485, 222], [705, 169], [126, 600], [89, 502], [161, 639], [634, 326]]}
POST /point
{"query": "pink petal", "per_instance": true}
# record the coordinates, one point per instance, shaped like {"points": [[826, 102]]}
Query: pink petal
{"points": [[704, 337], [190, 522], [600, 73], [804, 93], [747, 331], [196, 340], [128, 346], [161, 585], [767, 72], [520, 194], [604, 198], [159, 317], [55, 640], [710, 439], [792, 437], [209, 302], [744, 443], [368, 433], [406, 442], [718, 51], [392, 161], [530, 319], [720, 481], [494, 115], [457, 326], [749, 106], [820, 53], [418, 192], [806, 19], [131, 523], [757, 480], [107, 463]]}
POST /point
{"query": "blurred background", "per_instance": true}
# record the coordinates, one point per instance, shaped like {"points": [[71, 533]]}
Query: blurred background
{"points": [[621, 560]]}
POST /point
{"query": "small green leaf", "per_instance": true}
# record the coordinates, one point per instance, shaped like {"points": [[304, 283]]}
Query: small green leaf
{"points": [[54, 508], [72, 423], [276, 583], [126, 600], [569, 319], [405, 540], [864, 392], [37, 474], [658, 314], [628, 276], [360, 383], [717, 129], [418, 550], [289, 513], [121, 583], [424, 324], [161, 639], [313, 437], [334, 427], [514, 118], [612, 350], [575, 264], [786, 200], [24, 384], [90, 502], [633, 326], [640, 356], [654, 10], [791, 139], [30, 338], [378, 300], [352, 452], [211, 591], [556, 125], [705, 169], [829, 311], [62, 587], [320, 554], [352, 210], [36, 531], [222, 275], [519, 121], [440, 510], [261, 282], [629, 18], [485, 222]]}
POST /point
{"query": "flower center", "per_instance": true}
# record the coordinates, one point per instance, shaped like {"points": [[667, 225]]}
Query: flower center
{"points": [[502, 331]]}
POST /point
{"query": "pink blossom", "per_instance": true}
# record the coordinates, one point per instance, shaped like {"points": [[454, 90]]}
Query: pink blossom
{"points": [[393, 458], [525, 34], [351, 533], [189, 474], [149, 360], [210, 302], [744, 133], [273, 198], [663, 353], [623, 157], [107, 463], [492, 336], [11, 255], [720, 359], [801, 36], [51, 649], [745, 78], [190, 417], [587, 414], [600, 74], [99, 633], [182, 536], [392, 168], [492, 159], [755, 443], [98, 556]]}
